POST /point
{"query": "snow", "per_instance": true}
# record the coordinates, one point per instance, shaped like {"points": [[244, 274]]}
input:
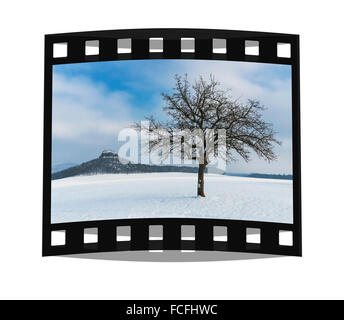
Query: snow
{"points": [[161, 195]]}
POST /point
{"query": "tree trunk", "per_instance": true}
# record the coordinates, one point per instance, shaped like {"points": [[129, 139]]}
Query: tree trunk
{"points": [[200, 181]]}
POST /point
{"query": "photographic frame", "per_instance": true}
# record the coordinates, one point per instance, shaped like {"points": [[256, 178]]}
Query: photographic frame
{"points": [[150, 44]]}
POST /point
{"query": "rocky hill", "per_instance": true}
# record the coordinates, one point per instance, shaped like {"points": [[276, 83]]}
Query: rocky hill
{"points": [[108, 162]]}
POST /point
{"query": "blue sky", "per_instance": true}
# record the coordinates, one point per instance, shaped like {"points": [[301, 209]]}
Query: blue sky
{"points": [[93, 101]]}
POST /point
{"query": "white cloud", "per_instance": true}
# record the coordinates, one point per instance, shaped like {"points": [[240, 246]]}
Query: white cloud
{"points": [[247, 80], [283, 164], [84, 110]]}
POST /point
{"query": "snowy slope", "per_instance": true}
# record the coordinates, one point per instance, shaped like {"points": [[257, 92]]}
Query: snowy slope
{"points": [[148, 195]]}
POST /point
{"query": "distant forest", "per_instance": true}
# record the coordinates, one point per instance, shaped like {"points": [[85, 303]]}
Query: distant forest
{"points": [[264, 176]]}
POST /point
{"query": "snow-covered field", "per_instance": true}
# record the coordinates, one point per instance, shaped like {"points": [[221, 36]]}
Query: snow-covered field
{"points": [[156, 195]]}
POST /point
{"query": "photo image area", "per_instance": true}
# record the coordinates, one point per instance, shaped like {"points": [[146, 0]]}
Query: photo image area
{"points": [[98, 109]]}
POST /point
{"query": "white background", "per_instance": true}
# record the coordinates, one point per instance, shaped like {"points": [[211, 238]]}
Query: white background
{"points": [[25, 274]]}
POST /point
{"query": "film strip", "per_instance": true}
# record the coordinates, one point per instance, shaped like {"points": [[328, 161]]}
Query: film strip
{"points": [[171, 233]]}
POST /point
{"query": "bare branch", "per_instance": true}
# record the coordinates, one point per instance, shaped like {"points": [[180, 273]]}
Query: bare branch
{"points": [[206, 106]]}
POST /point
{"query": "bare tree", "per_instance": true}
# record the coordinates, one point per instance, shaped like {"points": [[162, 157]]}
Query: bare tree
{"points": [[203, 112]]}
